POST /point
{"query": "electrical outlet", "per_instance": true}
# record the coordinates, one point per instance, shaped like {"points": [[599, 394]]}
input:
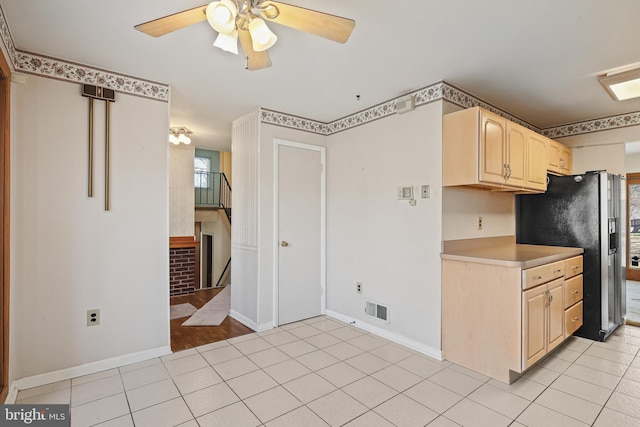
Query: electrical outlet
{"points": [[479, 223], [93, 317], [426, 192], [359, 287]]}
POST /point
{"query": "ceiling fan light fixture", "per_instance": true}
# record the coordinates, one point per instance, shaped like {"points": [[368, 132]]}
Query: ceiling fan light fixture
{"points": [[173, 139], [262, 37], [227, 41], [222, 15], [623, 85]]}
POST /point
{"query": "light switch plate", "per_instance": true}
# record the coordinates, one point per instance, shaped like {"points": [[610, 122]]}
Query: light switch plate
{"points": [[405, 193]]}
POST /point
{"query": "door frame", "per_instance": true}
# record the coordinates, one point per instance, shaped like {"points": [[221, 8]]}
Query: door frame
{"points": [[630, 274], [277, 143], [203, 261], [5, 142]]}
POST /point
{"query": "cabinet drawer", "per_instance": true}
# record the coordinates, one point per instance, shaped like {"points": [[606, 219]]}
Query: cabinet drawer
{"points": [[573, 266], [572, 319], [535, 276], [572, 291]]}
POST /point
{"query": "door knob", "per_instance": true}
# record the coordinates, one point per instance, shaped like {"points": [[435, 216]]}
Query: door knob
{"points": [[284, 244]]}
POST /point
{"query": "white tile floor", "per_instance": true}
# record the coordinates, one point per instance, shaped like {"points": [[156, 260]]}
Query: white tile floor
{"points": [[322, 372]]}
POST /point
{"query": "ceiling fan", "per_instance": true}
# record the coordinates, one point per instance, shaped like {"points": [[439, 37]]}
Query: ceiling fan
{"points": [[245, 20]]}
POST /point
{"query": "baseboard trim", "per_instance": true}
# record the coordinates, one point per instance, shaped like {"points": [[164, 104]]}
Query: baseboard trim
{"points": [[244, 320], [265, 326], [391, 336], [86, 369]]}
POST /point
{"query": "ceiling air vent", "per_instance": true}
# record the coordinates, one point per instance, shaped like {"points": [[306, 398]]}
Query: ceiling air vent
{"points": [[377, 310]]}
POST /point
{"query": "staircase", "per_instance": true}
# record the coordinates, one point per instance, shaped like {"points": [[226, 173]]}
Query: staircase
{"points": [[213, 191]]}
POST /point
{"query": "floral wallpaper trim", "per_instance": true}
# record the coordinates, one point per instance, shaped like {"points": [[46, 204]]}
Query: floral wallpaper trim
{"points": [[33, 63], [466, 100], [435, 92], [293, 122], [596, 125], [423, 96], [5, 34], [447, 92], [56, 68]]}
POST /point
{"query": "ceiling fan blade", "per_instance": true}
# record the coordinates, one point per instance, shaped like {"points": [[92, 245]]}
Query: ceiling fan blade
{"points": [[255, 60], [321, 24], [161, 26]]}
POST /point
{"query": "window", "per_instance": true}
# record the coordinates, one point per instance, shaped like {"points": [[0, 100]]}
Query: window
{"points": [[202, 167]]}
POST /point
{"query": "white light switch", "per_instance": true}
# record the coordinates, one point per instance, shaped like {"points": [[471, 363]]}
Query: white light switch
{"points": [[426, 192]]}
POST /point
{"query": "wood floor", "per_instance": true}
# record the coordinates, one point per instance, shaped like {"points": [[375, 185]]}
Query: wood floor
{"points": [[183, 337]]}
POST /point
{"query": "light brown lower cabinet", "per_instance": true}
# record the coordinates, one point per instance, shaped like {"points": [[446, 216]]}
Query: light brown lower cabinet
{"points": [[542, 320], [500, 320]]}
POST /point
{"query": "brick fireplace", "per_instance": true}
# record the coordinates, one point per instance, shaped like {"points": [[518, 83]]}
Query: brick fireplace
{"points": [[182, 265]]}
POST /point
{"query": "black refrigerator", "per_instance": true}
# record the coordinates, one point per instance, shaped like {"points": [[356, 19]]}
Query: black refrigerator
{"points": [[586, 211]]}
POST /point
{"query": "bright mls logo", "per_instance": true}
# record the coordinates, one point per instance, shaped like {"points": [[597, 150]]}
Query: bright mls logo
{"points": [[35, 415]]}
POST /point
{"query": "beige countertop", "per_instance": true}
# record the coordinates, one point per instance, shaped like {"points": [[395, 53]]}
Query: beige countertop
{"points": [[510, 254]]}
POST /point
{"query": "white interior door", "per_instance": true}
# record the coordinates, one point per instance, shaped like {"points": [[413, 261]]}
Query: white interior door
{"points": [[299, 231]]}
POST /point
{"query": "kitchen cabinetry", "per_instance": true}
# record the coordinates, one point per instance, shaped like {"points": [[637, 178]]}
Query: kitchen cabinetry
{"points": [[559, 158], [542, 320], [482, 149], [500, 319], [536, 161], [573, 312]]}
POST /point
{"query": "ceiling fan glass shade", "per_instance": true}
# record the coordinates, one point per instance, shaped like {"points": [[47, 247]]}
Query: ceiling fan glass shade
{"points": [[173, 139], [262, 37], [227, 41], [222, 15]]}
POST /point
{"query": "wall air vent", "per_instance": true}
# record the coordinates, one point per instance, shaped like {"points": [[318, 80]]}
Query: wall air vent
{"points": [[406, 103], [377, 310]]}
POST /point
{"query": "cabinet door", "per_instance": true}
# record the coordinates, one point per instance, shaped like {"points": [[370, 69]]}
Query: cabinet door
{"points": [[492, 148], [534, 310], [555, 309], [553, 156], [536, 162], [516, 152], [565, 160]]}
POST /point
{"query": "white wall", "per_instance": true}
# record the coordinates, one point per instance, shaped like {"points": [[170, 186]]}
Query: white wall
{"points": [[244, 225], [181, 194], [462, 207], [221, 242], [601, 157], [632, 163], [68, 254], [392, 248]]}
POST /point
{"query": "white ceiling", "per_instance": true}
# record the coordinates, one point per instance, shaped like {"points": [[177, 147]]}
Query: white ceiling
{"points": [[537, 60]]}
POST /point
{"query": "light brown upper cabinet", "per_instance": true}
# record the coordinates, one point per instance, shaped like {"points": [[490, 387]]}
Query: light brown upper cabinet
{"points": [[482, 149], [536, 161], [559, 158]]}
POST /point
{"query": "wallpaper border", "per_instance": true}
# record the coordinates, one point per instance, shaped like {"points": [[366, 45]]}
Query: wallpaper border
{"points": [[60, 69], [46, 66]]}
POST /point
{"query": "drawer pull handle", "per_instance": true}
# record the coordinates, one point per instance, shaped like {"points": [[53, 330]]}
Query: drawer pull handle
{"points": [[537, 277], [576, 292], [557, 271], [575, 319], [575, 267]]}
